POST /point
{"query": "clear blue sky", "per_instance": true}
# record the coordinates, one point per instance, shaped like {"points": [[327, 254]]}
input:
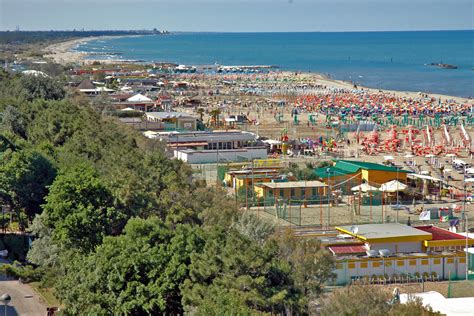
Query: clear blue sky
{"points": [[239, 15]]}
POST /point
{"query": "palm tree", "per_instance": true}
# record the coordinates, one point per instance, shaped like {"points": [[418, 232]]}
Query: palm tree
{"points": [[215, 116], [201, 112]]}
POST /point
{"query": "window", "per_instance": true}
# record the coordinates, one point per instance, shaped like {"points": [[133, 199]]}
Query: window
{"points": [[412, 262], [339, 266], [400, 263], [270, 192], [303, 193], [450, 260], [363, 265], [351, 265], [437, 261], [282, 193], [375, 264], [314, 191], [220, 145], [388, 263], [462, 260], [425, 262], [293, 192], [229, 145]]}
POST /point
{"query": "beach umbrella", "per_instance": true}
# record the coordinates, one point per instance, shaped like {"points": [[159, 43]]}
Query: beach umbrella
{"points": [[470, 170], [364, 187], [393, 186], [409, 156]]}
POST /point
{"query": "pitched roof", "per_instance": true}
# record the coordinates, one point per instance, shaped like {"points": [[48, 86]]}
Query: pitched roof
{"points": [[354, 166], [333, 172], [86, 84], [139, 98]]}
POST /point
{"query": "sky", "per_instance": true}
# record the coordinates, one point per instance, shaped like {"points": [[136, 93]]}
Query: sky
{"points": [[238, 15]]}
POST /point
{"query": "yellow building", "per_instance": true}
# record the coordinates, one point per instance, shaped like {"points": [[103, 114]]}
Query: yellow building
{"points": [[359, 171], [240, 178], [394, 251], [292, 190]]}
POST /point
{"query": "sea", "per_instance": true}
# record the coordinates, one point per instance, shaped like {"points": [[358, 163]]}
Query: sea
{"points": [[382, 60]]}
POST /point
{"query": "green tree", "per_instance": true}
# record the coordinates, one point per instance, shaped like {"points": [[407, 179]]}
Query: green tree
{"points": [[12, 121], [311, 265], [347, 301], [236, 268], [24, 179], [137, 273], [39, 87], [80, 209]]}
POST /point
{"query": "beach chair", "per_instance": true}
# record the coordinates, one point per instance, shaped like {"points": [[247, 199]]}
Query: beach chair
{"points": [[373, 279], [403, 277], [395, 278], [434, 276], [388, 279], [366, 280], [418, 277], [381, 280], [426, 276]]}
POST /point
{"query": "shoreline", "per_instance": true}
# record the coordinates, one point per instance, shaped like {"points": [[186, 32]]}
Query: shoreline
{"points": [[62, 53]]}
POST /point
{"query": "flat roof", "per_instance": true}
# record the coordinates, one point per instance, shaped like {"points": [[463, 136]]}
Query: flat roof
{"points": [[294, 184], [199, 136], [247, 171], [347, 249], [165, 115], [441, 234], [385, 232]]}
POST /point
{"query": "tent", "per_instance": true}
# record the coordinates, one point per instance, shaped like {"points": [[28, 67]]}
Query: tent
{"points": [[364, 187], [422, 176], [393, 186], [139, 98]]}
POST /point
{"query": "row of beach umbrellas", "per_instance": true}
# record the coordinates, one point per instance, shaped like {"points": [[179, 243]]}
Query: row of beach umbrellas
{"points": [[391, 186]]}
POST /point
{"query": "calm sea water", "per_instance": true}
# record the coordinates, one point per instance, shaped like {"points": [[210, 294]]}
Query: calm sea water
{"points": [[389, 60]]}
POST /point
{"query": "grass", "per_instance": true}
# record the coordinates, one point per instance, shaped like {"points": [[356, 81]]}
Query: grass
{"points": [[47, 294]]}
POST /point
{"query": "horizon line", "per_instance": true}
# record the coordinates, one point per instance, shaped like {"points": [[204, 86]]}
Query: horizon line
{"points": [[176, 31]]}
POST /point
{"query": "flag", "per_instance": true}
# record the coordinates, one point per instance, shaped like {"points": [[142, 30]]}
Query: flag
{"points": [[444, 218], [425, 215]]}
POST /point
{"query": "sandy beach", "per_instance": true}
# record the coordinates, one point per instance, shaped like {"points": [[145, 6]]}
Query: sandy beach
{"points": [[63, 53]]}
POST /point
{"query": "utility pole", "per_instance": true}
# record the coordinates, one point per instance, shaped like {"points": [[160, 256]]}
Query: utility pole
{"points": [[329, 204], [466, 227]]}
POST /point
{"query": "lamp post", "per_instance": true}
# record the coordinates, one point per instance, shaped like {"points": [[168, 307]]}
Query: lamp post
{"points": [[328, 170], [5, 299], [465, 223]]}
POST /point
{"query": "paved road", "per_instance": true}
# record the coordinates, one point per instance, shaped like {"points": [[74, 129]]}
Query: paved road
{"points": [[24, 301]]}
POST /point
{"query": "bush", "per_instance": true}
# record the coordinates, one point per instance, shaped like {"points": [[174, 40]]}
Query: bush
{"points": [[17, 246], [25, 273], [133, 113]]}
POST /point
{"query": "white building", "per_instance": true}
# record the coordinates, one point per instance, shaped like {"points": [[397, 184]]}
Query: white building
{"points": [[211, 147]]}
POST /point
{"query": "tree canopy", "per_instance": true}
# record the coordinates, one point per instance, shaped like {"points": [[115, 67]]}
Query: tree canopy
{"points": [[122, 229]]}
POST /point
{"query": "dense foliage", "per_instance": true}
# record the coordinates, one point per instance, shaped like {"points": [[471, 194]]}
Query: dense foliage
{"points": [[375, 301], [121, 229]]}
